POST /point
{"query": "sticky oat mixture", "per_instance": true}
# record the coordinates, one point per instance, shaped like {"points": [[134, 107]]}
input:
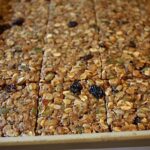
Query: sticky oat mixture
{"points": [[74, 66]]}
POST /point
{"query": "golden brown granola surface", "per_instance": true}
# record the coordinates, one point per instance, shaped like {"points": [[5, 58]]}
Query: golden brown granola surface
{"points": [[74, 66]]}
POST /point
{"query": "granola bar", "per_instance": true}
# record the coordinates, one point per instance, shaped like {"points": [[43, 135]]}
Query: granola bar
{"points": [[22, 44], [71, 35], [124, 38], [143, 111], [72, 97], [128, 104], [85, 67], [18, 68], [18, 108], [72, 108]]}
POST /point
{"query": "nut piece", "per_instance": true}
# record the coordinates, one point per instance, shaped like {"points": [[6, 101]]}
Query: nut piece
{"points": [[21, 80], [146, 71], [49, 76]]}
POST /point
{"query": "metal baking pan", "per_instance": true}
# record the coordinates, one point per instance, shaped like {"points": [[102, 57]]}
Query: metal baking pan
{"points": [[76, 141], [82, 141]]}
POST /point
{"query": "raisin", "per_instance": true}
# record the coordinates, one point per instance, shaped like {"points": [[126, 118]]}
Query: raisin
{"points": [[96, 91], [18, 22], [132, 44], [4, 27], [76, 87], [137, 120], [86, 57], [10, 88], [72, 24]]}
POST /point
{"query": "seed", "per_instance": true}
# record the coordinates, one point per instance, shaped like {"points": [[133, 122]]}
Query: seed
{"points": [[96, 91], [50, 76], [18, 22], [76, 87], [21, 80], [146, 71], [4, 111], [23, 67], [72, 24], [38, 50]]}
